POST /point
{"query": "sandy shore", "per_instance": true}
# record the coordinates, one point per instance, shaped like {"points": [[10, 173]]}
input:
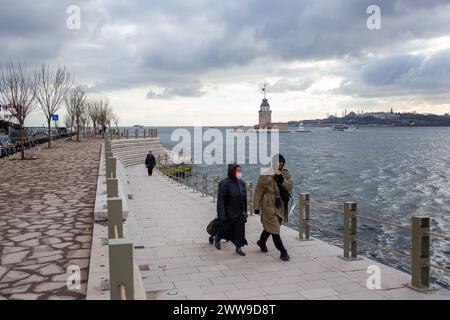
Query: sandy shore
{"points": [[46, 217]]}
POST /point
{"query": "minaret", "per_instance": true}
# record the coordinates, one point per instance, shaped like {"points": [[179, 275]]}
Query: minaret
{"points": [[265, 114]]}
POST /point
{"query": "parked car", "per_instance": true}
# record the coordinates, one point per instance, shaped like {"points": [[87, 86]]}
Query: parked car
{"points": [[63, 132], [7, 148], [28, 139], [41, 135]]}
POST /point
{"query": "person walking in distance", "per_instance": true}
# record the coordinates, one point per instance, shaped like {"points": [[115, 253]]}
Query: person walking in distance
{"points": [[271, 200], [150, 162]]}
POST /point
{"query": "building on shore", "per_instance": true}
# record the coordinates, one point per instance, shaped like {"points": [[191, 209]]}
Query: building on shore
{"points": [[265, 117]]}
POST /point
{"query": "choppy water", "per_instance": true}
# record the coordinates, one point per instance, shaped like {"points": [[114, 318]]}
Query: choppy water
{"points": [[392, 174]]}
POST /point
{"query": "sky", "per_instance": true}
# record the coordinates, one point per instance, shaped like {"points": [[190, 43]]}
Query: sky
{"points": [[164, 63]]}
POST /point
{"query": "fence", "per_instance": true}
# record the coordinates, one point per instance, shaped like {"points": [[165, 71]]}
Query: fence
{"points": [[205, 183], [121, 272], [133, 133], [419, 228]]}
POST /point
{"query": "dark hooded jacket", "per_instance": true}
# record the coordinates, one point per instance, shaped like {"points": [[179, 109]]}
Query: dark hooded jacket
{"points": [[150, 161], [232, 197], [232, 208]]}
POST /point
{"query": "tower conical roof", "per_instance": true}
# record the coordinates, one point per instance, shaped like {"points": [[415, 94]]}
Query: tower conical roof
{"points": [[265, 103]]}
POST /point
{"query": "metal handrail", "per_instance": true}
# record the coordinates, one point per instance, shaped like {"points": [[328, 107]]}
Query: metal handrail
{"points": [[365, 242], [439, 267], [436, 234], [384, 249], [420, 231], [325, 207], [440, 235], [359, 240]]}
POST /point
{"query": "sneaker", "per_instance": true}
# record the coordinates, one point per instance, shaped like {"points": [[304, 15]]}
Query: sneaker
{"points": [[217, 244], [211, 240], [262, 247], [240, 252], [285, 257]]}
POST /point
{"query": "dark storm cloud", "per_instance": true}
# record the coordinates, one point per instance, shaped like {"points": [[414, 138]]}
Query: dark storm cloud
{"points": [[137, 43], [186, 90], [401, 75], [33, 31], [284, 85]]}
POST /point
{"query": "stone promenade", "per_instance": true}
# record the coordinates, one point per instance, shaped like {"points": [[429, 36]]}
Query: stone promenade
{"points": [[177, 262], [46, 217]]}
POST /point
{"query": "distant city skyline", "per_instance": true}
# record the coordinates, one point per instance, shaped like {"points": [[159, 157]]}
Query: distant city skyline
{"points": [[183, 63]]}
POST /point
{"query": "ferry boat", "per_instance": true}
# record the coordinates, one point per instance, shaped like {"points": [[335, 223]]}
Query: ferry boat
{"points": [[340, 127], [344, 127], [301, 128]]}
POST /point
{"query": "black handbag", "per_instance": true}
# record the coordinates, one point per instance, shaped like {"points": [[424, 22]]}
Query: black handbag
{"points": [[213, 227]]}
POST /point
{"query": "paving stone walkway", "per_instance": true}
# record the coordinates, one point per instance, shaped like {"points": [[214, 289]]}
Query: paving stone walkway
{"points": [[177, 262], [46, 218]]}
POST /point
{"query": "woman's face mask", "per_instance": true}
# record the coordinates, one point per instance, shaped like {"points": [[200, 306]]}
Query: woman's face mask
{"points": [[239, 174]]}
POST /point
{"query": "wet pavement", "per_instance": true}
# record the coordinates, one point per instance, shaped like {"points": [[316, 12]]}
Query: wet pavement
{"points": [[46, 218]]}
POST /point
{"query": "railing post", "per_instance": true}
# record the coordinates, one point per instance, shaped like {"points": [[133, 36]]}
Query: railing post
{"points": [[250, 200], [420, 254], [121, 273], [145, 133], [112, 188], [186, 178], [350, 231], [128, 134], [115, 218], [136, 133], [215, 187], [205, 185], [303, 219], [193, 175], [196, 182]]}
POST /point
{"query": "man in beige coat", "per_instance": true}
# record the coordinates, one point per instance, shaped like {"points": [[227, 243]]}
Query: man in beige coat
{"points": [[271, 200]]}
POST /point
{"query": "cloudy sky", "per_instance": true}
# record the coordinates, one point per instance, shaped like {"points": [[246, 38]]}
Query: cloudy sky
{"points": [[197, 61]]}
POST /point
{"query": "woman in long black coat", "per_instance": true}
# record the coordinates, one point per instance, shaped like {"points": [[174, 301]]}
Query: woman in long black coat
{"points": [[232, 209]]}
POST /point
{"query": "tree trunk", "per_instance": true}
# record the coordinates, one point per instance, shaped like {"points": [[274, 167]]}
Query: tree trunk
{"points": [[49, 132], [78, 130], [22, 149]]}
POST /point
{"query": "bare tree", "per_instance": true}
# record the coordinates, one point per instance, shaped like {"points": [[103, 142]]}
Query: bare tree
{"points": [[104, 113], [68, 122], [93, 111], [84, 118], [17, 92], [50, 91], [109, 118], [76, 102], [115, 119], [69, 119]]}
